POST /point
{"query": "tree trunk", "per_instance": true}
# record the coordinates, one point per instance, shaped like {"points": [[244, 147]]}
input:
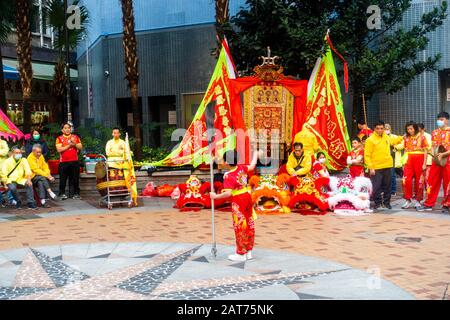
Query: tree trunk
{"points": [[26, 115], [129, 44], [3, 106], [222, 17], [137, 129], [24, 55]]}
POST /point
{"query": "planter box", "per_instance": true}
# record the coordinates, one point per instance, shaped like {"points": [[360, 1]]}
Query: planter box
{"points": [[54, 166]]}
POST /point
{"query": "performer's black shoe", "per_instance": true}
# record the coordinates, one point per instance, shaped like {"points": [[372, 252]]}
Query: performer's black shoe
{"points": [[446, 210]]}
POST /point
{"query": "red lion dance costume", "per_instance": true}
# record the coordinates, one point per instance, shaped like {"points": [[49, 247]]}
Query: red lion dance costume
{"points": [[309, 195], [194, 195]]}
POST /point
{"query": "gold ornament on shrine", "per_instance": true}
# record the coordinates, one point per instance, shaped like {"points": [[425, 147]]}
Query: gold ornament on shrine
{"points": [[269, 70]]}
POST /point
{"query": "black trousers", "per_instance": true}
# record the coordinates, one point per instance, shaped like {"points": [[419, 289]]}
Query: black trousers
{"points": [[71, 171], [381, 183]]}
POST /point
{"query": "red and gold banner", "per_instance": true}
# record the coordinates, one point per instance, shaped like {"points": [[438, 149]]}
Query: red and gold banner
{"points": [[194, 148], [324, 113]]}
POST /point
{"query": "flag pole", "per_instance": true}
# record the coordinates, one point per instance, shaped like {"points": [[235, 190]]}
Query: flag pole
{"points": [[214, 244]]}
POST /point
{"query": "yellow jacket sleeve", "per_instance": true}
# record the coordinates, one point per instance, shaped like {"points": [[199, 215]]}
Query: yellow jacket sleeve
{"points": [[368, 150], [4, 149], [27, 169], [291, 164], [3, 172], [394, 139], [108, 149]]}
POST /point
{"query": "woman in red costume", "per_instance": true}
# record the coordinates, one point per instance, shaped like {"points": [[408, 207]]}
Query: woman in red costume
{"points": [[235, 185], [416, 147]]}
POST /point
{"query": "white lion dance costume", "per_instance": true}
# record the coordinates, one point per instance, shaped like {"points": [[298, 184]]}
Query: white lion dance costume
{"points": [[350, 196]]}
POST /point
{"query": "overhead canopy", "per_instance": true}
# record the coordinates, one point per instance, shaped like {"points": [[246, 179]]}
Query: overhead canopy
{"points": [[10, 73], [41, 71]]}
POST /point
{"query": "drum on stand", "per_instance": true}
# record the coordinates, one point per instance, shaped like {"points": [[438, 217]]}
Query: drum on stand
{"points": [[437, 150], [114, 181]]}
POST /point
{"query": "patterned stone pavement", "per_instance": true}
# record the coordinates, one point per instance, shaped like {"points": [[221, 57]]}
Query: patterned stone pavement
{"points": [[406, 249], [154, 271]]}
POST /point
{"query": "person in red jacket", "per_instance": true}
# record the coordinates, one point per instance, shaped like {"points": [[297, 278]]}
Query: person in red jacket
{"points": [[69, 145], [440, 139]]}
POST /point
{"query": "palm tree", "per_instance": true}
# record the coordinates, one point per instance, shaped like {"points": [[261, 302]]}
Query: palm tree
{"points": [[131, 68], [222, 17], [55, 11], [6, 24], [23, 48]]}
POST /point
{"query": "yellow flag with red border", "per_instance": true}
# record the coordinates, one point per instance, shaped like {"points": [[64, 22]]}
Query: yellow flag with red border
{"points": [[130, 176]]}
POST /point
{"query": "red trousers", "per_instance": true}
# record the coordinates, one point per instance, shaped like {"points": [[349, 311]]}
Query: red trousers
{"points": [[437, 175], [244, 225], [413, 175], [357, 171]]}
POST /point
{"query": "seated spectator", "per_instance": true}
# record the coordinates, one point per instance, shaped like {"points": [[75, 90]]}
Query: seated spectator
{"points": [[41, 176], [16, 173]]}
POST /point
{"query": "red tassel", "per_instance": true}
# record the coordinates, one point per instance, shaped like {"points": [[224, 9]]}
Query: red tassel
{"points": [[343, 60]]}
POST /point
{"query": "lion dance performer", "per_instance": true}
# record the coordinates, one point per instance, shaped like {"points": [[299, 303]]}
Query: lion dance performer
{"points": [[115, 150], [416, 147], [235, 185], [440, 169]]}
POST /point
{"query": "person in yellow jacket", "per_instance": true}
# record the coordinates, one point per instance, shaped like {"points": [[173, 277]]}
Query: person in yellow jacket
{"points": [[378, 158], [16, 173], [299, 162], [115, 150], [41, 176], [4, 150]]}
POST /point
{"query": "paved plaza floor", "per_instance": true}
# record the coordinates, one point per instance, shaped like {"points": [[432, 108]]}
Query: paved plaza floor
{"points": [[78, 251]]}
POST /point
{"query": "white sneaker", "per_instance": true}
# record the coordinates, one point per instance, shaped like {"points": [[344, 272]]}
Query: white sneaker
{"points": [[237, 257], [368, 210], [249, 255], [407, 204], [417, 204], [52, 195]]}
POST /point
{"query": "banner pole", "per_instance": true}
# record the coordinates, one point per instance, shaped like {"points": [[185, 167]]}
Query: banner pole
{"points": [[214, 245]]}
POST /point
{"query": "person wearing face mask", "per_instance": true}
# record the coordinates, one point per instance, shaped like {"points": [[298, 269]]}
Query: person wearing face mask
{"points": [[378, 158], [438, 173], [36, 138], [319, 168], [16, 173]]}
